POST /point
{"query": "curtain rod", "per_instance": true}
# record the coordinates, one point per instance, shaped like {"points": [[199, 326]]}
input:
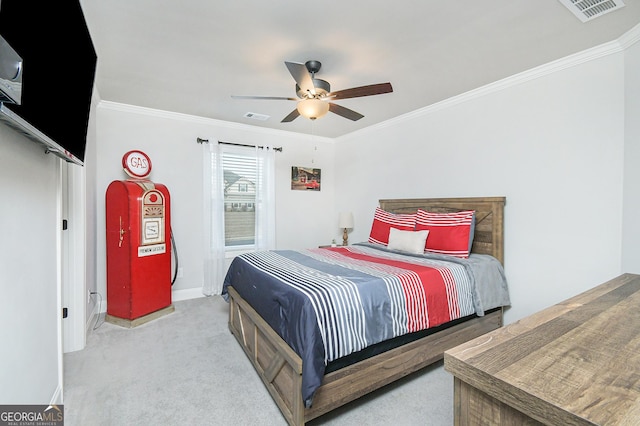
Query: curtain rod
{"points": [[200, 140]]}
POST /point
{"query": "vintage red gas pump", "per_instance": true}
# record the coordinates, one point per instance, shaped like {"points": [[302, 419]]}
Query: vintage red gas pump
{"points": [[138, 245]]}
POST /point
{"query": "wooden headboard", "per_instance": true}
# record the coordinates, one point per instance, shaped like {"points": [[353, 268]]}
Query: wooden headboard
{"points": [[489, 230]]}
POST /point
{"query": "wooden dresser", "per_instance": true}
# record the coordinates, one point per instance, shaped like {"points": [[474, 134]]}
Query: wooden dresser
{"points": [[575, 363]]}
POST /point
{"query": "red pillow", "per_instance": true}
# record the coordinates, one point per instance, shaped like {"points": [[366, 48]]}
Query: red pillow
{"points": [[383, 221], [449, 233]]}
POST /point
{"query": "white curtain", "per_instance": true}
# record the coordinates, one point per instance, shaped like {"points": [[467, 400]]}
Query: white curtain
{"points": [[265, 199], [213, 199]]}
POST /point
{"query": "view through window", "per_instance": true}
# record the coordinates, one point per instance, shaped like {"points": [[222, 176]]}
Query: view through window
{"points": [[240, 177]]}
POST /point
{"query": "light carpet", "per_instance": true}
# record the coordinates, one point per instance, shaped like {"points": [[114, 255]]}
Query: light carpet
{"points": [[186, 368]]}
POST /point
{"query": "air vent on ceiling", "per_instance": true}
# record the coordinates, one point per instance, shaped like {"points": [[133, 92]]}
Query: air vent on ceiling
{"points": [[256, 116], [586, 10]]}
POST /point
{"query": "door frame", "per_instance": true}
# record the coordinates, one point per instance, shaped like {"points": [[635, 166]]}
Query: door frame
{"points": [[75, 296]]}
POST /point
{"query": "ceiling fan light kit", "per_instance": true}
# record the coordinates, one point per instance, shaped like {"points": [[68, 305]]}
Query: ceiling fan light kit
{"points": [[316, 93], [312, 108]]}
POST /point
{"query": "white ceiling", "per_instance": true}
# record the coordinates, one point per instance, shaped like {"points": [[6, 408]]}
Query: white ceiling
{"points": [[190, 56]]}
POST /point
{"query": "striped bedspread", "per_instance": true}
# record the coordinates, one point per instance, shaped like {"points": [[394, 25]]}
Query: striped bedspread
{"points": [[329, 303]]}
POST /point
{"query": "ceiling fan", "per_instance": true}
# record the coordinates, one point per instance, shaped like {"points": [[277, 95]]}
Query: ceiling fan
{"points": [[315, 95]]}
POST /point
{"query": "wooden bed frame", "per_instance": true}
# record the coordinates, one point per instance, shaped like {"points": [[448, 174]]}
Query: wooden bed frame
{"points": [[280, 368]]}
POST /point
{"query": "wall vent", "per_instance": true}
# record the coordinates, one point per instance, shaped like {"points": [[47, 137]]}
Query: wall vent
{"points": [[256, 116], [586, 10]]}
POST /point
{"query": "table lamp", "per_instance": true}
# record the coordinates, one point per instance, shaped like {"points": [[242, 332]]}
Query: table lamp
{"points": [[345, 221]]}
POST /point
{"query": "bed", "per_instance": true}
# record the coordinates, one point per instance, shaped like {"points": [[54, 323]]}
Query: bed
{"points": [[299, 348]]}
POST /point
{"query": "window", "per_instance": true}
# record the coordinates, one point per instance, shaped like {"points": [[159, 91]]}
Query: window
{"points": [[240, 177], [239, 206]]}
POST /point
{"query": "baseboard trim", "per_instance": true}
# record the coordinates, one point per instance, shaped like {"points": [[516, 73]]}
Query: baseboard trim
{"points": [[186, 294], [92, 317], [176, 296], [56, 399]]}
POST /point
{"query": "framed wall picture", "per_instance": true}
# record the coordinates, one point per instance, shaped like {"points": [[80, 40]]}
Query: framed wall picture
{"points": [[305, 178]]}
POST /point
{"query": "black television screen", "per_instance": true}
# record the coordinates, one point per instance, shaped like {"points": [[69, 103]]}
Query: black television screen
{"points": [[59, 63]]}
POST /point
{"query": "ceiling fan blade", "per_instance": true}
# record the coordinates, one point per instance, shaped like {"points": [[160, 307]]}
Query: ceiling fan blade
{"points": [[345, 112], [357, 92], [271, 98], [302, 76], [292, 116]]}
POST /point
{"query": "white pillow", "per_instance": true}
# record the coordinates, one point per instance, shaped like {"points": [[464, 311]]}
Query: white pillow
{"points": [[409, 241]]}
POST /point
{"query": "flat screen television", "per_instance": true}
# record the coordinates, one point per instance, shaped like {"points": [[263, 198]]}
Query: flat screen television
{"points": [[59, 63]]}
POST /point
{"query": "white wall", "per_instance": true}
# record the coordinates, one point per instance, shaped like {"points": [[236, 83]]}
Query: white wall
{"points": [[91, 197], [30, 308], [552, 145], [631, 217], [170, 141]]}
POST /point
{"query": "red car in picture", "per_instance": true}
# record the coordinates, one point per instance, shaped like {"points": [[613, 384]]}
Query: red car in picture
{"points": [[313, 184]]}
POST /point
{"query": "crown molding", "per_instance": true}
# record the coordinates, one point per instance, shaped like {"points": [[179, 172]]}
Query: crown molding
{"points": [[630, 38], [624, 42], [170, 115]]}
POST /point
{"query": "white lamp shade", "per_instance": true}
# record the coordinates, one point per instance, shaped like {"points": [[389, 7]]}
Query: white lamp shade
{"points": [[345, 220], [312, 108]]}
